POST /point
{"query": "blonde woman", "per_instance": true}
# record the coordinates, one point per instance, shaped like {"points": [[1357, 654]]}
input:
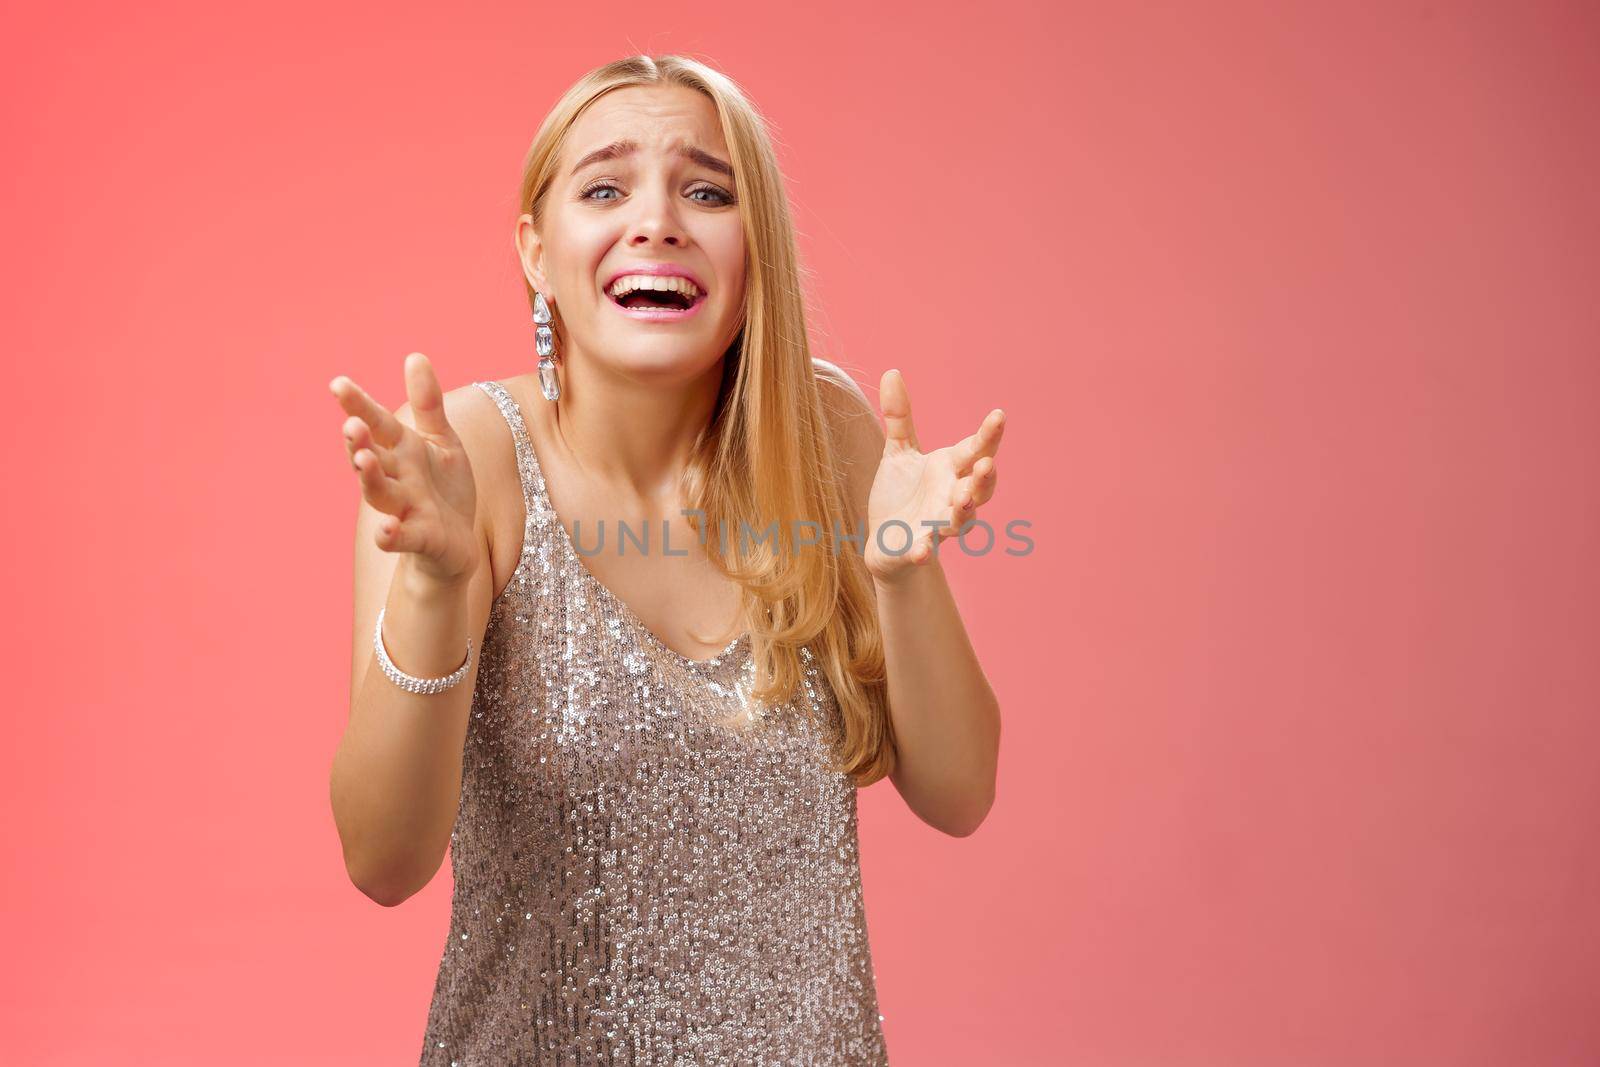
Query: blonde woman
{"points": [[632, 628]]}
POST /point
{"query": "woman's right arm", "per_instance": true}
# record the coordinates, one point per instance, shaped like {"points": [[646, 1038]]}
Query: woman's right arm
{"points": [[421, 554]]}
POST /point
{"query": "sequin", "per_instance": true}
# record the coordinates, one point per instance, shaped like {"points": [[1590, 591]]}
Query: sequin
{"points": [[652, 868]]}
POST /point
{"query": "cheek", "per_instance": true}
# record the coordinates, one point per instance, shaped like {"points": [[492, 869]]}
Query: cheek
{"points": [[735, 302], [573, 257], [722, 238], [729, 257]]}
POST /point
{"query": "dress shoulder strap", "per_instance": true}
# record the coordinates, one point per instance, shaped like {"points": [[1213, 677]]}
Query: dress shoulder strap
{"points": [[527, 459]]}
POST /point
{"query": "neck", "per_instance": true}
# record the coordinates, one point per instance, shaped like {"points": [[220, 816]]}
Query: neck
{"points": [[635, 436]]}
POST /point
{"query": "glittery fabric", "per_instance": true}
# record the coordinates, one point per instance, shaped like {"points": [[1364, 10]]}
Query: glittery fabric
{"points": [[649, 867]]}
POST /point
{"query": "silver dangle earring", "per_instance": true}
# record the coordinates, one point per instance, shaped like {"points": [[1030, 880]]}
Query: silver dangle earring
{"points": [[544, 340]]}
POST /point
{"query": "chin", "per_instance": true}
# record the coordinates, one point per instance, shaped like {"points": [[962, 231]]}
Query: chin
{"points": [[675, 356]]}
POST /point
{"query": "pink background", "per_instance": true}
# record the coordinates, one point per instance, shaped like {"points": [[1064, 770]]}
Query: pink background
{"points": [[1293, 311]]}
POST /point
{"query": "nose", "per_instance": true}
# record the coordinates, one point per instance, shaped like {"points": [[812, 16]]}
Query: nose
{"points": [[656, 221]]}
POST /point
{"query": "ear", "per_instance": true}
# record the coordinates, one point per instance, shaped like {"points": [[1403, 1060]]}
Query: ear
{"points": [[530, 250]]}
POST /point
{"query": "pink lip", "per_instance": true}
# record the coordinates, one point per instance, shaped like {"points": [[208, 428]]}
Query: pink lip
{"points": [[656, 314]]}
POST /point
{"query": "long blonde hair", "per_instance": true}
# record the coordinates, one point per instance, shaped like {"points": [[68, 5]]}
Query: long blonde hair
{"points": [[766, 453]]}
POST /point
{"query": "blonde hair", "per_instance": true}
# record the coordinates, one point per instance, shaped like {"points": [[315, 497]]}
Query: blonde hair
{"points": [[767, 452]]}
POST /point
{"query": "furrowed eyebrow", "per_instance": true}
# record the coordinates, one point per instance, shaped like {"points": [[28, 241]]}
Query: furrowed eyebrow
{"points": [[615, 150], [618, 149], [705, 159]]}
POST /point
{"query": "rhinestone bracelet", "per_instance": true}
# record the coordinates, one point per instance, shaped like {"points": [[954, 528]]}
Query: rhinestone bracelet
{"points": [[426, 686]]}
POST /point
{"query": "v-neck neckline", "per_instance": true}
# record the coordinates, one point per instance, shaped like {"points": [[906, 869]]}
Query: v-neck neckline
{"points": [[585, 576]]}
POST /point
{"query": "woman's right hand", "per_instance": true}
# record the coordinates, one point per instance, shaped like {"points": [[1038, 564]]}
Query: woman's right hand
{"points": [[420, 477]]}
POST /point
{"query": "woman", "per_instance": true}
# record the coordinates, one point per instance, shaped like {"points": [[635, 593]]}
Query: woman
{"points": [[645, 762]]}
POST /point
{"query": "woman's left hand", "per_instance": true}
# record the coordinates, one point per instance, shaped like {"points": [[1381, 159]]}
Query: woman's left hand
{"points": [[914, 487]]}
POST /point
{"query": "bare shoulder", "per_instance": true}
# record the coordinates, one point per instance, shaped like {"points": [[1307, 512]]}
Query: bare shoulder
{"points": [[853, 424], [852, 417], [476, 419], [460, 407], [840, 392]]}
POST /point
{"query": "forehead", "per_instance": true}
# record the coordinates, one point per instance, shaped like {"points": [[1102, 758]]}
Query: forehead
{"points": [[656, 116]]}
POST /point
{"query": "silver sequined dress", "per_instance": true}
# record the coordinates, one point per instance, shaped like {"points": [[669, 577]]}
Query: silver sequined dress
{"points": [[636, 883]]}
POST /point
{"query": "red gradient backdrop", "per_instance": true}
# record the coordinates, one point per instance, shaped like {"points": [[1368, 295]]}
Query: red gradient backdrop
{"points": [[1293, 312]]}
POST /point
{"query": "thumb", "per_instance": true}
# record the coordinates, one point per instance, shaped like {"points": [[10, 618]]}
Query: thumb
{"points": [[427, 399], [895, 403]]}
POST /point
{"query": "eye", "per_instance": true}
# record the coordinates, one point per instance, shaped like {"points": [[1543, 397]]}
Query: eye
{"points": [[724, 198], [720, 196], [596, 187]]}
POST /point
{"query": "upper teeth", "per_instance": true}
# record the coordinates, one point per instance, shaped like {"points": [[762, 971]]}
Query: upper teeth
{"points": [[629, 283]]}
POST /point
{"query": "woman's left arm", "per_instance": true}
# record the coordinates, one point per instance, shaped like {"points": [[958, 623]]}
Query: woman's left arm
{"points": [[945, 715]]}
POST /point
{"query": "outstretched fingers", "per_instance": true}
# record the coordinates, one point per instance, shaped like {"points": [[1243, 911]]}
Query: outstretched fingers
{"points": [[986, 442], [970, 494], [358, 436], [379, 489], [386, 429], [427, 399], [396, 535], [974, 491], [895, 402]]}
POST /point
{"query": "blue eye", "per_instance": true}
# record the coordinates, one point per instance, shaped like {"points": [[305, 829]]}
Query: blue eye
{"points": [[722, 198]]}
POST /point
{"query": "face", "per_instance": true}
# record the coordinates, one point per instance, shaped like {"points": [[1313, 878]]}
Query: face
{"points": [[667, 203]]}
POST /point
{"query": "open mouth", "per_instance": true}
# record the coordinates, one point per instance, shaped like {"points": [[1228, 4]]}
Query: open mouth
{"points": [[656, 296], [657, 300]]}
